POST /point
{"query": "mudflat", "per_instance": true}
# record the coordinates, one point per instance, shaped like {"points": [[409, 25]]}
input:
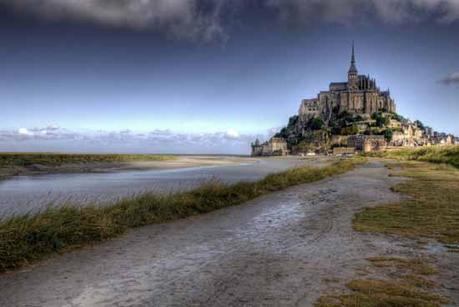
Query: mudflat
{"points": [[98, 167], [281, 249], [24, 194]]}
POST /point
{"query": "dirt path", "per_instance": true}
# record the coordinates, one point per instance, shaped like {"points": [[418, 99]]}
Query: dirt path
{"points": [[278, 250]]}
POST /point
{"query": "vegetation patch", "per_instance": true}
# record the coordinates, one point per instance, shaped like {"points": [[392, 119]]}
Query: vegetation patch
{"points": [[12, 164], [374, 292], [54, 159], [402, 264], [28, 238], [405, 285], [434, 154], [431, 211]]}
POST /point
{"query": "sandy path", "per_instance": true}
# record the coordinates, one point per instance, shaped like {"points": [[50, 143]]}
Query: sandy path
{"points": [[277, 250]]}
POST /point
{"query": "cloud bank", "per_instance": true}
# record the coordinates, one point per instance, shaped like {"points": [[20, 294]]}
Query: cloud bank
{"points": [[207, 20], [451, 79], [182, 19], [357, 11], [55, 138]]}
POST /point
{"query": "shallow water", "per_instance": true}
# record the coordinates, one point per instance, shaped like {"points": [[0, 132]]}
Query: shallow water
{"points": [[24, 194]]}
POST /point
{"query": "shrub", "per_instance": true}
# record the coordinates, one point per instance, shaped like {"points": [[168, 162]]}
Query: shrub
{"points": [[317, 123], [388, 134]]}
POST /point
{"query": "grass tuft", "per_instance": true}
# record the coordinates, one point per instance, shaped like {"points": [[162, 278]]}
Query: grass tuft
{"points": [[375, 293], [415, 265], [435, 154], [28, 238], [406, 286], [431, 211]]}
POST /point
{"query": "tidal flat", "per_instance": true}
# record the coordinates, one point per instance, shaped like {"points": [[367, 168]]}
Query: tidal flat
{"points": [[97, 182], [28, 238]]}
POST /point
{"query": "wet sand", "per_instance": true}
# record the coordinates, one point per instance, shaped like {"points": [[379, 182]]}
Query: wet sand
{"points": [[23, 194], [101, 167], [281, 249]]}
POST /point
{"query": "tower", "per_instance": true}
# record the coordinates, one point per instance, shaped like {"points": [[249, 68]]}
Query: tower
{"points": [[352, 74]]}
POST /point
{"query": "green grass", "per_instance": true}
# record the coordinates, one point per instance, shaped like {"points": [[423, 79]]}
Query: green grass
{"points": [[402, 264], [434, 154], [55, 159], [382, 293], [404, 284], [26, 239], [431, 211]]}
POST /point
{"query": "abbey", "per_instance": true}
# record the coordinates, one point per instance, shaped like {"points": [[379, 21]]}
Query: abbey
{"points": [[351, 116], [359, 95]]}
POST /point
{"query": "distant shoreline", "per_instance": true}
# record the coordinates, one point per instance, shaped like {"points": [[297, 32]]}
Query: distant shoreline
{"points": [[33, 164]]}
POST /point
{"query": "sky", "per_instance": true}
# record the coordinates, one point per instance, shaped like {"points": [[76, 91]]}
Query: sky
{"points": [[209, 76]]}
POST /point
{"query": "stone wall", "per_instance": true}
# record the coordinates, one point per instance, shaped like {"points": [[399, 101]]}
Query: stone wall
{"points": [[343, 150], [274, 147]]}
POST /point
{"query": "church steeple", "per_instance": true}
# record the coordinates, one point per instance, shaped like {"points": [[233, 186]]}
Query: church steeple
{"points": [[353, 69], [352, 74]]}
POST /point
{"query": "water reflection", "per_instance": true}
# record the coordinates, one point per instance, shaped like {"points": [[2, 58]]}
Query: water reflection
{"points": [[31, 193]]}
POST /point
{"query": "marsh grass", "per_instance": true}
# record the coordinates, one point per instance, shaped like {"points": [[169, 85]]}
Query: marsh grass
{"points": [[55, 159], [416, 266], [375, 292], [28, 238], [435, 154], [430, 211], [406, 285]]}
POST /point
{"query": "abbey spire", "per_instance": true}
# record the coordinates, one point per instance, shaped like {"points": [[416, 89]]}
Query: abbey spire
{"points": [[352, 75], [353, 69]]}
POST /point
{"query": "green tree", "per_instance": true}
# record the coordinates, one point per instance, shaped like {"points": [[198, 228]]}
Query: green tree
{"points": [[317, 123], [419, 124], [381, 120], [388, 134], [350, 130], [292, 121]]}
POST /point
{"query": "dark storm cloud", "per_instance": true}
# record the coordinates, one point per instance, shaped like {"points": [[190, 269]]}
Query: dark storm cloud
{"points": [[183, 19], [351, 11], [452, 78], [206, 20]]}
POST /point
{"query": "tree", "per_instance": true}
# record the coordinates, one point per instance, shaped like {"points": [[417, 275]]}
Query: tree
{"points": [[344, 114], [388, 134], [317, 123], [350, 130], [381, 120], [398, 117], [419, 124], [292, 121]]}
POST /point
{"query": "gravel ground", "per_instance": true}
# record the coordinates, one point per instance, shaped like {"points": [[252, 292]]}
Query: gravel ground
{"points": [[281, 249]]}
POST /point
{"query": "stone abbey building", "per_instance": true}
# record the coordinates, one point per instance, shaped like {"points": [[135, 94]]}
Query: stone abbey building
{"points": [[351, 116], [359, 94]]}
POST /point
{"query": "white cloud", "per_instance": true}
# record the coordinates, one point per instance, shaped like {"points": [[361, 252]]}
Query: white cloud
{"points": [[24, 131], [55, 138], [232, 134]]}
